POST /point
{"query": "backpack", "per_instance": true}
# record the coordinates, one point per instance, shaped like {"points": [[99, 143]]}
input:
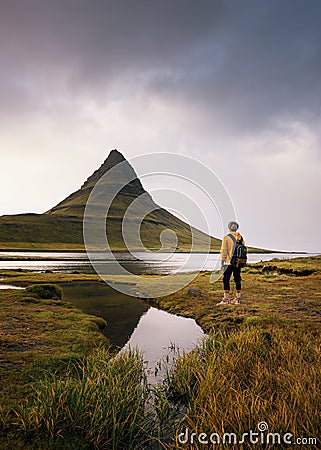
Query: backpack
{"points": [[239, 257]]}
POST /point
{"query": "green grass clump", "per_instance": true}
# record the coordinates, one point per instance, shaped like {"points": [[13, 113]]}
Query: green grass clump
{"points": [[45, 291], [100, 400], [233, 382]]}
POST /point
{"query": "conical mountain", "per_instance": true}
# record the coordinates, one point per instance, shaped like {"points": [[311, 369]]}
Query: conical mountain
{"points": [[61, 227], [144, 213]]}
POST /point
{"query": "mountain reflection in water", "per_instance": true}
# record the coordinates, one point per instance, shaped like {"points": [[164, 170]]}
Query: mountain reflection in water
{"points": [[121, 312], [132, 323]]}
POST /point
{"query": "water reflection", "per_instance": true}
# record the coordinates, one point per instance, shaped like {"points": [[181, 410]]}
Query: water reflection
{"points": [[121, 312], [133, 323], [160, 335], [9, 286]]}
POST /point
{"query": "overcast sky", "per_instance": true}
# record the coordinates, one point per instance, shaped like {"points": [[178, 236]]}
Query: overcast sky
{"points": [[234, 84]]}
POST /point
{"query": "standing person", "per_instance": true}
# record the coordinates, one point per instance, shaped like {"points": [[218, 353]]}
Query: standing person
{"points": [[229, 265]]}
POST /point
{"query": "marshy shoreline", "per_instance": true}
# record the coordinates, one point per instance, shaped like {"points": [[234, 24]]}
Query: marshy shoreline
{"points": [[261, 361]]}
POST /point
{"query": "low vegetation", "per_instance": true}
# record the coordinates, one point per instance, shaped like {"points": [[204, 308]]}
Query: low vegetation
{"points": [[37, 335], [100, 401], [268, 297], [45, 291], [261, 362], [232, 382]]}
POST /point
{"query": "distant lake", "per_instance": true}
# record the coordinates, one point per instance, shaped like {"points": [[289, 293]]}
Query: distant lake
{"points": [[137, 263]]}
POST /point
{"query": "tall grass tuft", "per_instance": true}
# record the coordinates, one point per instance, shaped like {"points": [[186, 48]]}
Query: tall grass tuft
{"points": [[232, 382], [101, 399], [228, 384]]}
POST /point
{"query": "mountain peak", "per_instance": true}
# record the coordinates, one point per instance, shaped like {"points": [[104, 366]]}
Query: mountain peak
{"points": [[114, 158], [74, 204]]}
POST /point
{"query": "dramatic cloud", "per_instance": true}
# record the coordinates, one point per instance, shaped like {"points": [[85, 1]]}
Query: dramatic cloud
{"points": [[235, 84]]}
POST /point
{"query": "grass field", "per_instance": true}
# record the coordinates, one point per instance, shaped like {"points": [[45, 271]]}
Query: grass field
{"points": [[261, 362]]}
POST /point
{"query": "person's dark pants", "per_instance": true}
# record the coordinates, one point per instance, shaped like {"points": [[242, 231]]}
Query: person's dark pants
{"points": [[237, 277]]}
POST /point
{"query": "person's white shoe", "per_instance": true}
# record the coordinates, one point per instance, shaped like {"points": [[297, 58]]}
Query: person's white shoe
{"points": [[236, 301], [223, 302]]}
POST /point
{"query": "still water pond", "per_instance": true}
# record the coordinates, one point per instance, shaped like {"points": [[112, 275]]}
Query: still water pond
{"points": [[132, 323]]}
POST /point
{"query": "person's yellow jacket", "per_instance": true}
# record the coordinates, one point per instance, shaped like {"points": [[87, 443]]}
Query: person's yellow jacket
{"points": [[227, 246]]}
